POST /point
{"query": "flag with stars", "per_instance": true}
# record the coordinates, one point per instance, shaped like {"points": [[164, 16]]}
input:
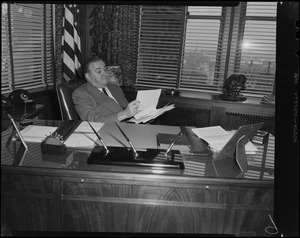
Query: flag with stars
{"points": [[71, 45]]}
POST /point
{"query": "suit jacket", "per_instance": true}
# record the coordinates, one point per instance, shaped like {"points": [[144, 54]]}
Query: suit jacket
{"points": [[93, 105]]}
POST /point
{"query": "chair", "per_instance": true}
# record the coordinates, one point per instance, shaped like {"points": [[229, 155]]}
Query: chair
{"points": [[64, 94]]}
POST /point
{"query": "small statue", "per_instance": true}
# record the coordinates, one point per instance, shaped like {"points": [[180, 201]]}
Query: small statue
{"points": [[231, 90]]}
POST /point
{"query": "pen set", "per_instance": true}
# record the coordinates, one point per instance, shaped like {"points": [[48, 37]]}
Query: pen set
{"points": [[136, 154]]}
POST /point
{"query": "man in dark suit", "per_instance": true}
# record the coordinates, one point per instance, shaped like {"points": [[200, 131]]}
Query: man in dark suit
{"points": [[100, 101]]}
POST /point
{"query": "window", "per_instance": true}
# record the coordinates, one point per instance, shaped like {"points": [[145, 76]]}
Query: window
{"points": [[257, 59], [203, 31], [27, 46], [160, 43], [195, 48]]}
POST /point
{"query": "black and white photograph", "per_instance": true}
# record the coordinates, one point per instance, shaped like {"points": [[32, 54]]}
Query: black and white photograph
{"points": [[150, 118]]}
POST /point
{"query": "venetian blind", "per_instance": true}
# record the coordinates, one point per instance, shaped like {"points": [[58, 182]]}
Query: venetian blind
{"points": [[202, 42], [159, 55], [215, 42], [27, 49], [257, 57]]}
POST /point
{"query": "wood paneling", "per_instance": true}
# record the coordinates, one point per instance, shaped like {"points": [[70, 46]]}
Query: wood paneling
{"points": [[130, 217], [28, 202], [114, 202]]}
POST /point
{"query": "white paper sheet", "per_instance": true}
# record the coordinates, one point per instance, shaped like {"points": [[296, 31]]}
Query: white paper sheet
{"points": [[150, 114], [148, 98], [217, 137], [210, 132], [83, 136], [33, 133]]}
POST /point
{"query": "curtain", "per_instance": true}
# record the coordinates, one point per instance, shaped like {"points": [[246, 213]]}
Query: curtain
{"points": [[120, 45]]}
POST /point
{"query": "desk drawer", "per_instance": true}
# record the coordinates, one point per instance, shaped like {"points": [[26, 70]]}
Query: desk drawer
{"points": [[137, 190], [139, 206]]}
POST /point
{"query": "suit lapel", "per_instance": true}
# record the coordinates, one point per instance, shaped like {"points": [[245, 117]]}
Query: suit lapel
{"points": [[116, 94], [105, 101]]}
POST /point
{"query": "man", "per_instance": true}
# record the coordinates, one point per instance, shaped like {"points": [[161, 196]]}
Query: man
{"points": [[100, 101]]}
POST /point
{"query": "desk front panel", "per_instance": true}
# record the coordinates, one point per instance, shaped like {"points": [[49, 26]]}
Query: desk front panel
{"points": [[141, 206]]}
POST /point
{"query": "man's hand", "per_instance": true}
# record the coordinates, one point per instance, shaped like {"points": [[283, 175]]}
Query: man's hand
{"points": [[129, 111]]}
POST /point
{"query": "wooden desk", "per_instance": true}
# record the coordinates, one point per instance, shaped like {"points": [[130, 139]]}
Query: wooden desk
{"points": [[45, 194]]}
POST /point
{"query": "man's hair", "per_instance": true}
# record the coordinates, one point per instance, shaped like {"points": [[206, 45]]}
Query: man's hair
{"points": [[88, 62]]}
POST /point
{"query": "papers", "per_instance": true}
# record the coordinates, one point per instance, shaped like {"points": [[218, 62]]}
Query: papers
{"points": [[148, 98], [147, 108], [84, 137], [150, 114], [217, 137], [210, 133], [37, 133]]}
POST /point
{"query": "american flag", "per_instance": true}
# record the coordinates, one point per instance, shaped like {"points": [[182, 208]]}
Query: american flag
{"points": [[71, 45]]}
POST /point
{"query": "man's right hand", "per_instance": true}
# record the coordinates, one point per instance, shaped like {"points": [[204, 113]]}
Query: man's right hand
{"points": [[129, 111]]}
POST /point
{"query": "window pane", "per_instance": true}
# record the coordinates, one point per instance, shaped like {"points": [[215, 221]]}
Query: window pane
{"points": [[258, 47], [265, 9], [203, 11], [201, 45]]}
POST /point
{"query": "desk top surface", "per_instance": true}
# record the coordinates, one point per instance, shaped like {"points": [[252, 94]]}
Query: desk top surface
{"points": [[75, 160]]}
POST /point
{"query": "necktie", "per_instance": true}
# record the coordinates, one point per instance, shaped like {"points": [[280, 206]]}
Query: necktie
{"points": [[109, 95], [104, 90]]}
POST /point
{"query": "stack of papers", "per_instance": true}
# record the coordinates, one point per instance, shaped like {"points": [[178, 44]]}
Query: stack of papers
{"points": [[150, 113], [34, 133], [147, 108], [217, 137], [83, 137]]}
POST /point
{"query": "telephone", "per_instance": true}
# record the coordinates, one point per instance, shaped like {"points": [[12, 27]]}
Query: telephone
{"points": [[21, 98]]}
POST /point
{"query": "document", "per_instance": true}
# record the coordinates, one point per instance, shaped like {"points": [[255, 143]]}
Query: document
{"points": [[34, 133], [150, 113], [217, 137], [148, 98], [84, 137], [148, 106]]}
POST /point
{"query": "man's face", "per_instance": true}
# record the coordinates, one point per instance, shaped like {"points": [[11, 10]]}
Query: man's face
{"points": [[97, 74]]}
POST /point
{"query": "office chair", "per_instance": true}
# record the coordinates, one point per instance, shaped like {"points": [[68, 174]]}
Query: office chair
{"points": [[64, 94]]}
